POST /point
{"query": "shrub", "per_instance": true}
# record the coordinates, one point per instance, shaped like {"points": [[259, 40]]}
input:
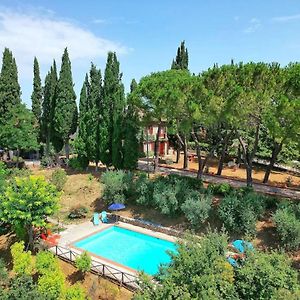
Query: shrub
{"points": [[22, 260], [239, 212], [144, 190], [46, 262], [3, 273], [263, 274], [59, 178], [115, 186], [78, 163], [22, 288], [78, 212], [222, 189], [47, 161], [164, 197], [52, 285], [288, 227], [192, 182], [83, 262], [75, 292], [196, 208]]}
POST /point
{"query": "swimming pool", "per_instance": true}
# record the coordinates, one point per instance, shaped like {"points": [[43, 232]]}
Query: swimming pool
{"points": [[130, 248]]}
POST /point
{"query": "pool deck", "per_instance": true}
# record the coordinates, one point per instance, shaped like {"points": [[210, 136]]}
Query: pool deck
{"points": [[74, 233]]}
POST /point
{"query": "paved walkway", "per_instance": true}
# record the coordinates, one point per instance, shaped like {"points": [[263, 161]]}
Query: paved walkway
{"points": [[266, 189]]}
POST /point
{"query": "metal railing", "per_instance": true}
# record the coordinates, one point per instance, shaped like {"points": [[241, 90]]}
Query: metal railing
{"points": [[124, 279]]}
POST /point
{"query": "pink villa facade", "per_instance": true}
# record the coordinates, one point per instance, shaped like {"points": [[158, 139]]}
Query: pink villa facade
{"points": [[163, 139]]}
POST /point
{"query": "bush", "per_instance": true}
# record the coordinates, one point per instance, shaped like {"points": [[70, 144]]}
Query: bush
{"points": [[59, 178], [83, 262], [288, 227], [191, 182], [263, 274], [116, 184], [46, 262], [196, 208], [78, 212], [75, 292], [239, 212], [47, 161], [3, 273], [222, 189], [144, 190], [164, 197], [22, 260], [21, 288], [52, 285], [78, 163]]}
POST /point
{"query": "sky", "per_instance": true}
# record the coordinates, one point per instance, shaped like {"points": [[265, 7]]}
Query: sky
{"points": [[145, 34]]}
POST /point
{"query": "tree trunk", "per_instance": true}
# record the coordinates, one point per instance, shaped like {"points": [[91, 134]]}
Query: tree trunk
{"points": [[47, 150], [96, 169], [156, 147], [239, 156], [177, 155], [200, 167], [249, 175], [185, 153], [222, 157], [30, 237], [276, 149], [67, 148]]}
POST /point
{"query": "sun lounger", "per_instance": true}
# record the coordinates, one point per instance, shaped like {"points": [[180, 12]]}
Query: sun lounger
{"points": [[104, 217], [96, 219]]}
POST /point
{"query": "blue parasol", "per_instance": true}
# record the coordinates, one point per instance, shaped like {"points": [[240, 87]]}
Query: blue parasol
{"points": [[116, 206]]}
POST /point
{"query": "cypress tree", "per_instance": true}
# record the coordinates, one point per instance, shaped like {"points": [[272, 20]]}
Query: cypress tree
{"points": [[10, 91], [65, 111], [112, 112], [181, 61], [131, 130], [48, 107], [97, 140], [37, 93]]}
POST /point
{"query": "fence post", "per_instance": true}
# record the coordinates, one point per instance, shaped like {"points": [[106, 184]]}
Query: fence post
{"points": [[56, 250], [70, 255], [103, 269]]}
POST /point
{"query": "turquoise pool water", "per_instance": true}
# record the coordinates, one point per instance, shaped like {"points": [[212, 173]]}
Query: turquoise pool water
{"points": [[129, 248]]}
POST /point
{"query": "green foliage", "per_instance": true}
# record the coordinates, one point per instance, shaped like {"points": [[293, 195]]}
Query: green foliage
{"points": [[52, 285], [22, 288], [263, 274], [198, 271], [181, 61], [19, 130], [37, 93], [287, 222], [3, 273], [59, 178], [144, 190], [10, 91], [164, 197], [22, 260], [196, 208], [112, 112], [65, 110], [46, 262], [116, 184], [78, 163], [27, 201], [239, 212], [3, 176], [222, 189], [83, 262], [75, 292]]}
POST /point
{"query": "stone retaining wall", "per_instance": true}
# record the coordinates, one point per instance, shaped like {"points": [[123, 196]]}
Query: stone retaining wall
{"points": [[147, 225]]}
